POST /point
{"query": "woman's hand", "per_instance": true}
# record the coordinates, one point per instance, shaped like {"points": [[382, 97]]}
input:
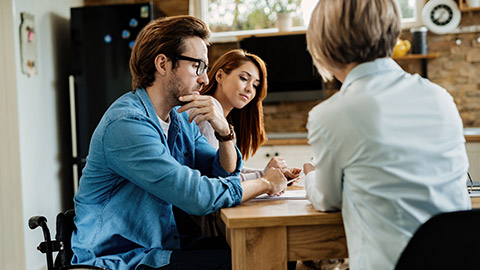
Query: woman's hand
{"points": [[308, 167], [280, 163], [291, 173], [276, 162], [204, 109]]}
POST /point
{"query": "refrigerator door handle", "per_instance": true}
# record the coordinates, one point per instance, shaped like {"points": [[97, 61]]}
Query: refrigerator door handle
{"points": [[73, 126]]}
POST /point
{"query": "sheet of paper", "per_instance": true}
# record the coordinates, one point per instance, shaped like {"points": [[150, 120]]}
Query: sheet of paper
{"points": [[288, 195], [475, 193]]}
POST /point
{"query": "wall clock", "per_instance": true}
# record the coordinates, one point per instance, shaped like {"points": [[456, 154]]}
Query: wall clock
{"points": [[441, 16]]}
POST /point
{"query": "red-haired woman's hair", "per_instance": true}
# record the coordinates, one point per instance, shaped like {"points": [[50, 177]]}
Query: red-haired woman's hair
{"points": [[248, 121]]}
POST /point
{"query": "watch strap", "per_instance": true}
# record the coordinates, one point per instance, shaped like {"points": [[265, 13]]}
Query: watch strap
{"points": [[228, 137]]}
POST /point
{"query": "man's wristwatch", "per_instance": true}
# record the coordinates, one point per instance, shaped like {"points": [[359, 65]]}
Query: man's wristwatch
{"points": [[228, 137]]}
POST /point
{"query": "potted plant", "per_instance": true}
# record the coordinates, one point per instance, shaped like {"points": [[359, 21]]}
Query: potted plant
{"points": [[284, 10]]}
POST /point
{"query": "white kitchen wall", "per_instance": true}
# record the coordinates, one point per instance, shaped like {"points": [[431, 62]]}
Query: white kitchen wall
{"points": [[43, 119], [11, 218]]}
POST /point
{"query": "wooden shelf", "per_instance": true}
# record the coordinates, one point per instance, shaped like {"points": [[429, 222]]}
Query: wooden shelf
{"points": [[294, 141], [416, 56], [472, 138], [241, 37], [464, 6], [423, 59]]}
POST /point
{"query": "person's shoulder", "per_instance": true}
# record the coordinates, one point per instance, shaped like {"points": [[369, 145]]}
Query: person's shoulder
{"points": [[429, 84], [127, 105], [327, 107]]}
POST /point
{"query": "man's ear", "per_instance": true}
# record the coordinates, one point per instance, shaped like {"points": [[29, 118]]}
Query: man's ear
{"points": [[220, 75], [161, 64]]}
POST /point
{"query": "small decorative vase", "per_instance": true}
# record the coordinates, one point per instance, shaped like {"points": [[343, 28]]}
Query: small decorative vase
{"points": [[284, 21]]}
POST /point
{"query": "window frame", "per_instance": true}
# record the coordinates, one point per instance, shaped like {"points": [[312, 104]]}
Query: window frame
{"points": [[199, 9]]}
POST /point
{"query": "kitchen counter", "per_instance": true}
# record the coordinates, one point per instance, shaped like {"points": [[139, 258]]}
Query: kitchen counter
{"points": [[472, 134], [292, 138]]}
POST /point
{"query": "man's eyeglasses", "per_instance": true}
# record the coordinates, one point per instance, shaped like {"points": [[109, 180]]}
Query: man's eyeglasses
{"points": [[202, 66]]}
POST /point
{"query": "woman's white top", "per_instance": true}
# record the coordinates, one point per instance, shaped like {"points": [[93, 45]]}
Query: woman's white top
{"points": [[389, 152], [207, 130]]}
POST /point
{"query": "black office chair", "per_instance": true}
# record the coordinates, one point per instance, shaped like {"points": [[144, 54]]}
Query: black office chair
{"points": [[446, 241], [62, 244]]}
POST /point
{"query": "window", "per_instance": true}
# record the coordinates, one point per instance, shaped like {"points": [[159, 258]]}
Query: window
{"points": [[411, 12], [229, 18]]}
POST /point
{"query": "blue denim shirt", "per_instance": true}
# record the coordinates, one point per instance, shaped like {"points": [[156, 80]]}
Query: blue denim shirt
{"points": [[132, 178]]}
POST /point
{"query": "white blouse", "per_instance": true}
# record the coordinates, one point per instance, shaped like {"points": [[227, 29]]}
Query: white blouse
{"points": [[207, 130], [389, 152]]}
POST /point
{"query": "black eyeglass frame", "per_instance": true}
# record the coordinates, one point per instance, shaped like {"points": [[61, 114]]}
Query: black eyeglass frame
{"points": [[202, 66]]}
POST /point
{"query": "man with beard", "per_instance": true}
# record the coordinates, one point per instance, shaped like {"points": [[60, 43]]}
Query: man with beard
{"points": [[145, 158]]}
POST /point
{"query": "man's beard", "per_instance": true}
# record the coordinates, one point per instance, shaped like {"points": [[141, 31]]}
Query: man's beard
{"points": [[176, 89]]}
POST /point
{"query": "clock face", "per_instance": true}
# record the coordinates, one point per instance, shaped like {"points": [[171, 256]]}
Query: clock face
{"points": [[441, 16]]}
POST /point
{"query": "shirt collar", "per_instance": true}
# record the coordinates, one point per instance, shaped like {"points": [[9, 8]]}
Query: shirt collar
{"points": [[147, 103], [152, 114], [378, 66]]}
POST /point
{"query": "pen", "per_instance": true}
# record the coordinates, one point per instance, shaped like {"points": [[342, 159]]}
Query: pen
{"points": [[291, 181]]}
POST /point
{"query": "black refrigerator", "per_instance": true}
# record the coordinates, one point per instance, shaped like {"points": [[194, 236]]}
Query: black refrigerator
{"points": [[102, 38]]}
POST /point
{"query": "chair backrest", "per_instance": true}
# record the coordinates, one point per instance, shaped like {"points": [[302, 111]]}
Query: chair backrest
{"points": [[446, 241], [62, 243], [65, 227]]}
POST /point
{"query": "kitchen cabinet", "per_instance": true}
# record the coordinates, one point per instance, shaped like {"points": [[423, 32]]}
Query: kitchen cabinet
{"points": [[464, 6]]}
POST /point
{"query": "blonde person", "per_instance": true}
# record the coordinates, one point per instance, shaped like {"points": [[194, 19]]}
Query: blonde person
{"points": [[389, 150]]}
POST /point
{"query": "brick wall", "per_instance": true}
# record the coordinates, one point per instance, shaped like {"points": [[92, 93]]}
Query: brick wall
{"points": [[456, 68]]}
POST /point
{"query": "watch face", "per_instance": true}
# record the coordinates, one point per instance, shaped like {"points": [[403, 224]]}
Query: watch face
{"points": [[441, 14]]}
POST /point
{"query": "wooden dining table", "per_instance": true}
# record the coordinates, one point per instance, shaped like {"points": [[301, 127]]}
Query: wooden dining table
{"points": [[266, 234]]}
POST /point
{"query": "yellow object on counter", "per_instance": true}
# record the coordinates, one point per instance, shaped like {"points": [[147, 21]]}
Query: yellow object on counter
{"points": [[401, 48]]}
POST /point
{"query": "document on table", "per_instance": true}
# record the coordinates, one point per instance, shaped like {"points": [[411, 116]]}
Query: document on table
{"points": [[299, 194], [474, 193]]}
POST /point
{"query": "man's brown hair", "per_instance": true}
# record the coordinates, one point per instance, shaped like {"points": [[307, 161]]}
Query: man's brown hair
{"points": [[162, 36]]}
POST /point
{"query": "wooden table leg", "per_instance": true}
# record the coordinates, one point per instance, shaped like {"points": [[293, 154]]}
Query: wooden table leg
{"points": [[259, 248]]}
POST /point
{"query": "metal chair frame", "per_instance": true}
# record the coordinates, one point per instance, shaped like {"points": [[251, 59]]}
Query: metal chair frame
{"points": [[61, 244]]}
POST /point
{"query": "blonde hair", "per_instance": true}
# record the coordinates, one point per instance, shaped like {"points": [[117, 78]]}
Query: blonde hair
{"points": [[351, 31], [248, 121]]}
